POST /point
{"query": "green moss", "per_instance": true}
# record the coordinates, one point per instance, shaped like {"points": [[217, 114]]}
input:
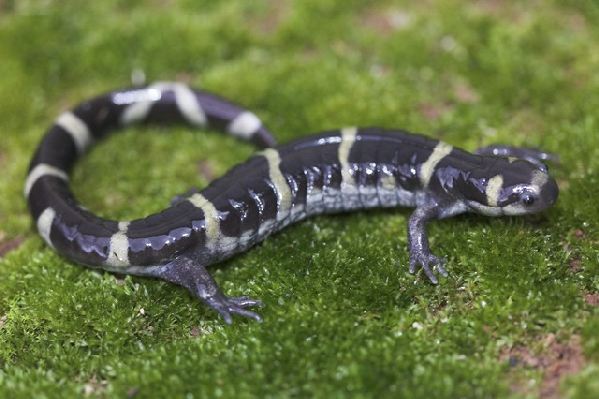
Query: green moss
{"points": [[343, 317]]}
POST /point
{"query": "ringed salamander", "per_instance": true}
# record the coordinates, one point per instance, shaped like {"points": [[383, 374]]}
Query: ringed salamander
{"points": [[335, 171]]}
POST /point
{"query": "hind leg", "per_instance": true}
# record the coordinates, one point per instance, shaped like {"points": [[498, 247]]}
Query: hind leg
{"points": [[186, 272]]}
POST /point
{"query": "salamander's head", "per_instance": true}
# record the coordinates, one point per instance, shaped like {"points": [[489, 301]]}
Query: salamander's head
{"points": [[520, 188]]}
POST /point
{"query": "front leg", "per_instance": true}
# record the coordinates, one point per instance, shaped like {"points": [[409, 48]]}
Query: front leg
{"points": [[420, 253], [193, 276]]}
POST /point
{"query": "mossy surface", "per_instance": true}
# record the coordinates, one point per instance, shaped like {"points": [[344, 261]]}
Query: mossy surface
{"points": [[518, 316]]}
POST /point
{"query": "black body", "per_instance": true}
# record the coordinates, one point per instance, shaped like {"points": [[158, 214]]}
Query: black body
{"points": [[336, 171]]}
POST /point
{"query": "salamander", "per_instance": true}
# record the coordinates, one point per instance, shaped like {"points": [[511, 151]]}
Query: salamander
{"points": [[329, 172]]}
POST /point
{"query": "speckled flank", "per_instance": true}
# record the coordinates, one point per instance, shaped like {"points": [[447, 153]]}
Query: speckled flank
{"points": [[388, 182]]}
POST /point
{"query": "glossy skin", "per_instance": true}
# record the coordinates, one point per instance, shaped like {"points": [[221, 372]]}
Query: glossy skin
{"points": [[336, 171]]}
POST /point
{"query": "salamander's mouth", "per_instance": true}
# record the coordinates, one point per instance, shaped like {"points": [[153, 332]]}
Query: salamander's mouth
{"points": [[486, 210]]}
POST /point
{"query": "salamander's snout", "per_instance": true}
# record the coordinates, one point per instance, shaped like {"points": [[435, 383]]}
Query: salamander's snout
{"points": [[549, 192]]}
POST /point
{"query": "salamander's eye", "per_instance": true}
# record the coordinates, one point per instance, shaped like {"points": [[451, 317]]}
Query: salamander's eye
{"points": [[527, 199]]}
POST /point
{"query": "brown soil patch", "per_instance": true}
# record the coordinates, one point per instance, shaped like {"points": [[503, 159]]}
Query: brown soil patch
{"points": [[10, 245], [559, 359]]}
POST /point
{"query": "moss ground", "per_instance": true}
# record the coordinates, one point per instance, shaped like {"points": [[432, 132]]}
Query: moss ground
{"points": [[343, 318]]}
